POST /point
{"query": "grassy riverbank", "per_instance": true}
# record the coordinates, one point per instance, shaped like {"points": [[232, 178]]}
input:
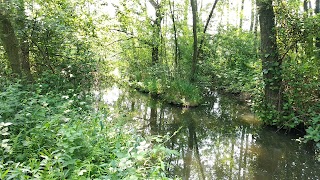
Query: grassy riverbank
{"points": [[180, 93]]}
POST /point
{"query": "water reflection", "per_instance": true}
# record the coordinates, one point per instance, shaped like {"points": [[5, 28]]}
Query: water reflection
{"points": [[220, 140]]}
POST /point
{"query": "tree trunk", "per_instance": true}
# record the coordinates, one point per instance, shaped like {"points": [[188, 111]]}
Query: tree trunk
{"points": [[10, 43], [256, 22], [24, 42], [241, 14], [156, 31], [253, 15], [25, 63], [255, 30], [271, 63], [305, 5], [310, 7], [317, 11], [185, 11], [309, 47], [155, 54], [176, 48], [195, 39]]}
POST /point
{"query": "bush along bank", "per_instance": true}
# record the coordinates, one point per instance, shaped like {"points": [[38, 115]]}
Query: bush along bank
{"points": [[176, 92]]}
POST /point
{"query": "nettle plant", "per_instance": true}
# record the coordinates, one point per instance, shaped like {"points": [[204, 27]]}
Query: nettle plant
{"points": [[4, 133]]}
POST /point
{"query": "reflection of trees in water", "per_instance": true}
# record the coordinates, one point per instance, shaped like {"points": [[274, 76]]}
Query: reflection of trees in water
{"points": [[279, 157], [192, 152], [208, 143], [216, 143]]}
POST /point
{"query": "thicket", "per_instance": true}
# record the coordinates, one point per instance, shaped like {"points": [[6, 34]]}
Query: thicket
{"points": [[233, 62], [49, 126]]}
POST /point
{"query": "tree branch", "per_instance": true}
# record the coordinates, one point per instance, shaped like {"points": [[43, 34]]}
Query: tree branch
{"points": [[133, 36], [154, 4], [206, 27]]}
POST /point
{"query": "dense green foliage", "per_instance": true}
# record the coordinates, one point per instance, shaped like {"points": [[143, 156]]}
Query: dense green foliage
{"points": [[300, 70], [49, 126], [235, 64], [55, 134], [168, 74], [53, 53]]}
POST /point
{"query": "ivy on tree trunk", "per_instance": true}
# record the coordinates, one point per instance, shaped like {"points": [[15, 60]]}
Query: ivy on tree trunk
{"points": [[271, 63], [10, 43]]}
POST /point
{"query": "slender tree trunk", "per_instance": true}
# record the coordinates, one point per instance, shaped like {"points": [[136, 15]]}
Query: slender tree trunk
{"points": [[255, 29], [156, 41], [206, 27], [271, 63], [197, 154], [228, 14], [185, 11], [195, 39], [317, 11], [309, 47], [10, 43], [231, 164], [25, 62], [189, 154], [310, 7], [176, 48], [253, 14], [156, 31], [256, 22], [240, 168], [241, 14], [305, 5]]}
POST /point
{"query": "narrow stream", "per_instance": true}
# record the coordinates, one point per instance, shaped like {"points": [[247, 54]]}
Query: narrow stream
{"points": [[218, 140]]}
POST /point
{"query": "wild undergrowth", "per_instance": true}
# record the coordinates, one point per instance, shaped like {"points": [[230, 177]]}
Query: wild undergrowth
{"points": [[235, 67], [49, 134], [178, 91]]}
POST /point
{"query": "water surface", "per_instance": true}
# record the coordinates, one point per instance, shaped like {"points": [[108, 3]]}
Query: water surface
{"points": [[219, 140]]}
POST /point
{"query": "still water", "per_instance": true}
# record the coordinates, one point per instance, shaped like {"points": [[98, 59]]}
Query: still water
{"points": [[220, 139]]}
